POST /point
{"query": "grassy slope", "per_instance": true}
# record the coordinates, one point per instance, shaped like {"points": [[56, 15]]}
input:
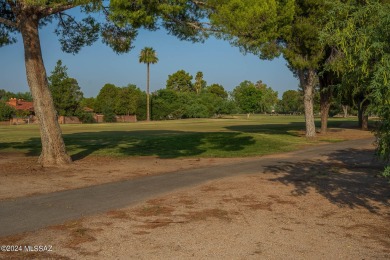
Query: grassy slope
{"points": [[234, 137]]}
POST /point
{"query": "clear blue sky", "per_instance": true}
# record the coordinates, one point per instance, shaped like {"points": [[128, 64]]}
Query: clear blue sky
{"points": [[97, 65]]}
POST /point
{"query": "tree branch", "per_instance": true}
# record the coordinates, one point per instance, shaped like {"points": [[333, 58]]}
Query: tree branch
{"points": [[199, 26], [57, 9], [199, 3], [72, 20], [8, 22]]}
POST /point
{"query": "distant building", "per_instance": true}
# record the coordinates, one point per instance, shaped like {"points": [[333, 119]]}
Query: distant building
{"points": [[21, 105], [24, 111]]}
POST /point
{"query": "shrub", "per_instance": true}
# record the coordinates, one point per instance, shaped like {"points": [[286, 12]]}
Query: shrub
{"points": [[86, 118], [6, 111]]}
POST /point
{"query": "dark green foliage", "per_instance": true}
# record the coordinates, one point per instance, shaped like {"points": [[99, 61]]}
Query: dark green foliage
{"points": [[199, 84], [148, 56], [169, 104], [7, 33], [141, 108], [118, 38], [88, 102], [183, 99], [65, 91], [109, 115], [73, 35], [3, 94], [247, 97], [225, 107], [291, 102], [196, 110], [386, 172], [303, 49], [269, 97], [86, 117], [180, 18], [217, 90], [200, 106], [6, 111], [107, 98], [252, 25], [165, 105], [359, 31], [180, 81], [128, 100], [6, 95], [383, 133]]}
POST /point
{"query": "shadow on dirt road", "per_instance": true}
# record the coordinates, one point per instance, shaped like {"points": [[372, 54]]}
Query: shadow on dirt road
{"points": [[348, 178]]}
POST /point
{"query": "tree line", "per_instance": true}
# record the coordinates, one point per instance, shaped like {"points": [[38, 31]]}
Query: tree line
{"points": [[184, 96]]}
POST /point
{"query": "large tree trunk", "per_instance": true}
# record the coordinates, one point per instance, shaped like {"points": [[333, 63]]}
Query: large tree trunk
{"points": [[345, 110], [147, 94], [363, 118], [325, 99], [325, 106], [307, 80], [365, 123], [53, 147]]}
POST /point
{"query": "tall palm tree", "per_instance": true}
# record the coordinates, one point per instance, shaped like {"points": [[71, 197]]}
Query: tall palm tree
{"points": [[148, 55]]}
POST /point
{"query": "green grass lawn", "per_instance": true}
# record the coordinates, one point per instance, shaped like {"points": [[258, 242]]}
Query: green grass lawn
{"points": [[235, 137]]}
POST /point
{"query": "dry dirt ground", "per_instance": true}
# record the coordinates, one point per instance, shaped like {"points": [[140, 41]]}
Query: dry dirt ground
{"points": [[322, 208]]}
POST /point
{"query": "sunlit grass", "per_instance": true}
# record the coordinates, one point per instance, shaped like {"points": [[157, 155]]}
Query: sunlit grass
{"points": [[232, 137]]}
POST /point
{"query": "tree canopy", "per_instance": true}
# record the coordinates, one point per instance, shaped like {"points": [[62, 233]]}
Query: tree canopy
{"points": [[6, 111], [248, 97], [291, 102], [253, 26], [180, 81], [65, 91], [6, 95], [218, 90], [269, 97], [199, 84], [148, 56], [359, 32]]}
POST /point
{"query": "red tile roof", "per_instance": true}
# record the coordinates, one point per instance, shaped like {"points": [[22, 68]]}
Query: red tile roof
{"points": [[20, 104]]}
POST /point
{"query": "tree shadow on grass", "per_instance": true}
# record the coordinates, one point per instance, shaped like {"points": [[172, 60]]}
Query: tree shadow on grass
{"points": [[349, 178], [292, 128], [187, 144], [282, 129], [161, 143], [32, 146]]}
